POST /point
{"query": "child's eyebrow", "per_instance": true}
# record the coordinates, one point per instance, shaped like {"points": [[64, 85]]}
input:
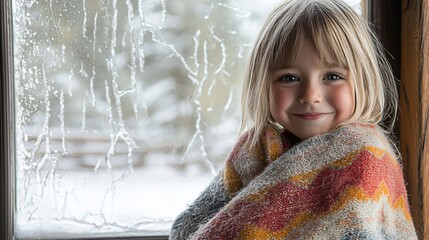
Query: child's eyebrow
{"points": [[340, 70], [335, 67], [324, 67], [328, 65], [286, 68]]}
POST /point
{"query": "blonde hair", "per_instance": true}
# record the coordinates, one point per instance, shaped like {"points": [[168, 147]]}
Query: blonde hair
{"points": [[341, 37]]}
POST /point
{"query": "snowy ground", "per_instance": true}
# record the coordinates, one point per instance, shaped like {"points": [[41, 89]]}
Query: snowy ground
{"points": [[88, 204]]}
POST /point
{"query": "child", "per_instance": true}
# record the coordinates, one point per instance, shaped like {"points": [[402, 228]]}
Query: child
{"points": [[315, 163]]}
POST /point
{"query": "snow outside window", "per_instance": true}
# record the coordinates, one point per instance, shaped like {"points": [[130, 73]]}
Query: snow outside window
{"points": [[125, 109]]}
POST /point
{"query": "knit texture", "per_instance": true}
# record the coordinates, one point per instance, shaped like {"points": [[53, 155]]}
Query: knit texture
{"points": [[345, 184]]}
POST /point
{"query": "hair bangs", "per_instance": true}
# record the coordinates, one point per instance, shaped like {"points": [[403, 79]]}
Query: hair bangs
{"points": [[321, 31], [331, 51], [288, 50]]}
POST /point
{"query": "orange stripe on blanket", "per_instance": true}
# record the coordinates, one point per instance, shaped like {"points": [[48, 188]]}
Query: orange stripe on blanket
{"points": [[232, 180]]}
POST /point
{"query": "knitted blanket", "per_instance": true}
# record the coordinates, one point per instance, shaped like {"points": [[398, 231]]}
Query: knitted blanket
{"points": [[345, 184]]}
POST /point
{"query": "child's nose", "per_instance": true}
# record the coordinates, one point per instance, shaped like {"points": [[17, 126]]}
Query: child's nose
{"points": [[310, 93]]}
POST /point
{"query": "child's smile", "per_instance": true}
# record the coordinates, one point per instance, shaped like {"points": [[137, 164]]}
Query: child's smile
{"points": [[309, 98]]}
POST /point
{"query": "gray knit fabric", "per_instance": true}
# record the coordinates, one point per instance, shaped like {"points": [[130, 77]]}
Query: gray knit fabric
{"points": [[211, 200]]}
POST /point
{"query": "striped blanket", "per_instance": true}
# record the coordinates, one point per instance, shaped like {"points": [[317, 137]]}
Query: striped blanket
{"points": [[345, 184]]}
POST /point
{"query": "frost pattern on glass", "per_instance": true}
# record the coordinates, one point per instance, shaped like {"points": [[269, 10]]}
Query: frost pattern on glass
{"points": [[125, 109]]}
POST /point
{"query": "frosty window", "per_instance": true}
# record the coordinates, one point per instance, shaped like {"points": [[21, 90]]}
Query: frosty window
{"points": [[125, 109]]}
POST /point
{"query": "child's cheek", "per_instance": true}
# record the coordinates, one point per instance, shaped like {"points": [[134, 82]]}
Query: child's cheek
{"points": [[342, 99], [280, 98]]}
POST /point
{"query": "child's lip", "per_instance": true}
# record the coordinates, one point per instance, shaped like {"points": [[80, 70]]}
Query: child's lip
{"points": [[310, 116]]}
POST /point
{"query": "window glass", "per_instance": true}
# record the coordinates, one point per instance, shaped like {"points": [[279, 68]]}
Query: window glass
{"points": [[125, 109]]}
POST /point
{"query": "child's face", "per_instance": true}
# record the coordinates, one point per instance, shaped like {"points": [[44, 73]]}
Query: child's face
{"points": [[309, 99]]}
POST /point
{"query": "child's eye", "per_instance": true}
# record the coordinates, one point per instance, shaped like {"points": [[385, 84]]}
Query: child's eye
{"points": [[333, 77], [288, 78]]}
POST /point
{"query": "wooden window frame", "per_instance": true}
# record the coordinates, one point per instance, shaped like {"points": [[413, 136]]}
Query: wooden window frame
{"points": [[403, 28], [6, 126], [414, 103]]}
